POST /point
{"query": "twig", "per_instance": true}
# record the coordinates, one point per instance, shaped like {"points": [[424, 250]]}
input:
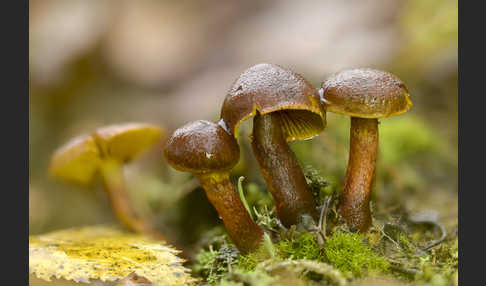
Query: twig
{"points": [[440, 240], [323, 217], [431, 219], [391, 239]]}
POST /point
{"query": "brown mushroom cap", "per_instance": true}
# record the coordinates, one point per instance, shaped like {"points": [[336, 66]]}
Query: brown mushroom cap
{"points": [[201, 147], [365, 93], [269, 88], [76, 161], [125, 141]]}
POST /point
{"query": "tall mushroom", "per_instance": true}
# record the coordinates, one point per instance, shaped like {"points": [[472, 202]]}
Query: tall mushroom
{"points": [[105, 151], [208, 151], [365, 95], [285, 108]]}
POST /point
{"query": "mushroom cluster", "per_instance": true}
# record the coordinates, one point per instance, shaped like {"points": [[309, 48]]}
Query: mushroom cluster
{"points": [[285, 108]]}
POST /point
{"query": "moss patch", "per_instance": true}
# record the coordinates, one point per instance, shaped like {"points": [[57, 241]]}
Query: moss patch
{"points": [[348, 253], [302, 247], [392, 249]]}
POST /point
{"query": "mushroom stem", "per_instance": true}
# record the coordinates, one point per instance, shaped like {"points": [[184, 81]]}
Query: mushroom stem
{"points": [[355, 197], [114, 185], [244, 232], [286, 181]]}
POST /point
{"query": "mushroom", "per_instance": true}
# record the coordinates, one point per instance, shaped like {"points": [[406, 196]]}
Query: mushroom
{"points": [[105, 151], [285, 108], [208, 151], [365, 95]]}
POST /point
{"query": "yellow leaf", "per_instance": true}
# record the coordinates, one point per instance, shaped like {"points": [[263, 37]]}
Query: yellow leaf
{"points": [[134, 280], [106, 254]]}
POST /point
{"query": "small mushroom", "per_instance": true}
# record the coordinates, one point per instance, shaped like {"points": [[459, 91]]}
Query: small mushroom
{"points": [[205, 149], [105, 151], [285, 108], [365, 95]]}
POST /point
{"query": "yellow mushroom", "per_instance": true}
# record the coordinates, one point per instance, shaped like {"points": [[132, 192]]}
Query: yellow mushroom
{"points": [[105, 151]]}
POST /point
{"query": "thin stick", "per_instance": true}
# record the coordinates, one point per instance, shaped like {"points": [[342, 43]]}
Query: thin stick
{"points": [[440, 240]]}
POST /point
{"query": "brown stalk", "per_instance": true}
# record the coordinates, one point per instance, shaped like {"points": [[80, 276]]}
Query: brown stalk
{"points": [[245, 233], [355, 197], [285, 179]]}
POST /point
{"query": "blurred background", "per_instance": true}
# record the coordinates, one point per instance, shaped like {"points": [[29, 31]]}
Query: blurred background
{"points": [[94, 63]]}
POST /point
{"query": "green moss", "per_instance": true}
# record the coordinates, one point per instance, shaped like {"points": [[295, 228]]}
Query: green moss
{"points": [[440, 267], [348, 253], [397, 254], [225, 266], [302, 247], [205, 263], [248, 262]]}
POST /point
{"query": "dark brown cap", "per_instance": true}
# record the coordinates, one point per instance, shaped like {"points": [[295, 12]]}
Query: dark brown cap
{"points": [[201, 147], [125, 141], [270, 88], [366, 93]]}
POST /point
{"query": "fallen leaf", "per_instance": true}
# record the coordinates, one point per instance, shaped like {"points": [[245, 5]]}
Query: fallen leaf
{"points": [[106, 254]]}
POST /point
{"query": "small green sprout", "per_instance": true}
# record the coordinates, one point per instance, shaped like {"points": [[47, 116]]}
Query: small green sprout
{"points": [[242, 195]]}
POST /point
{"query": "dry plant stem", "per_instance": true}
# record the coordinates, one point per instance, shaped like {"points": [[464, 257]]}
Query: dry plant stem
{"points": [[244, 232], [284, 177], [114, 185], [354, 201]]}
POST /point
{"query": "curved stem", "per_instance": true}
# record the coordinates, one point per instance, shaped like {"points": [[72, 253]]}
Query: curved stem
{"points": [[114, 185], [286, 181], [354, 201], [244, 232]]}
